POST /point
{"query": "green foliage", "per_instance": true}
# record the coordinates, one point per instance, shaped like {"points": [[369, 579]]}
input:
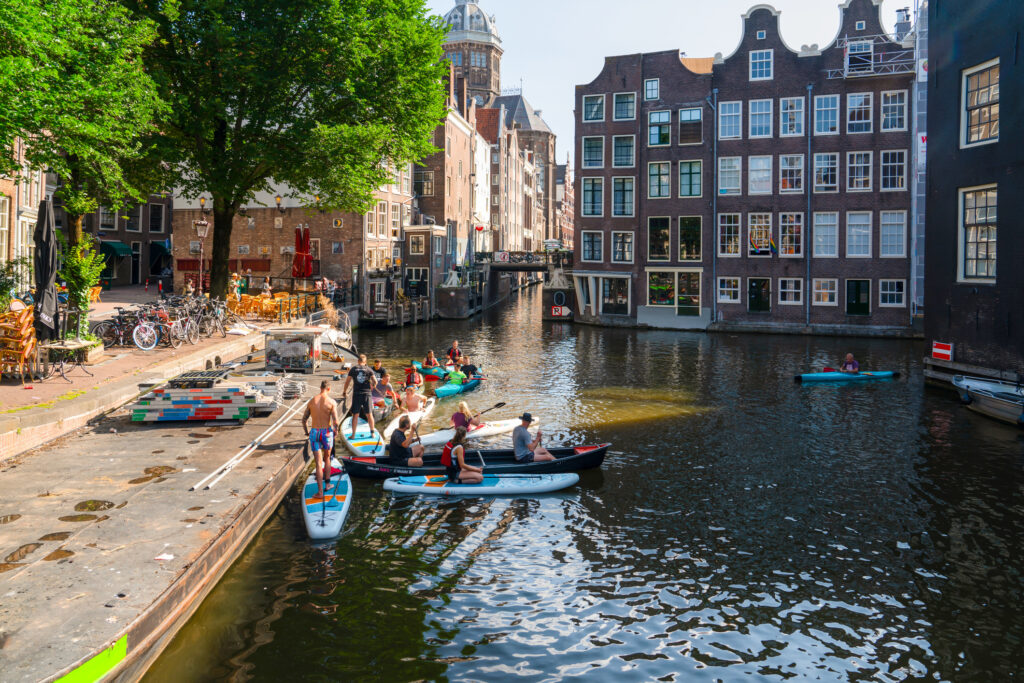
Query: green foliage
{"points": [[315, 95], [9, 279], [80, 270]]}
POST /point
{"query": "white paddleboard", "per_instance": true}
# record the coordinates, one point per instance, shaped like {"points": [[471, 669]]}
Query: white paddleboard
{"points": [[415, 417], [492, 485], [367, 442], [325, 516], [443, 436]]}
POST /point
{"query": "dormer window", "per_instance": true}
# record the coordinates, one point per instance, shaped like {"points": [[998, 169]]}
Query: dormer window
{"points": [[761, 35], [861, 25]]}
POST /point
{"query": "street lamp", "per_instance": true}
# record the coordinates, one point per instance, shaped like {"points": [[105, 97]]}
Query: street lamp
{"points": [[278, 199], [202, 228], [202, 204]]}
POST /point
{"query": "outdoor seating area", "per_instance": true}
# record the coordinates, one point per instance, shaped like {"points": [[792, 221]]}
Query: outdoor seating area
{"points": [[281, 307]]}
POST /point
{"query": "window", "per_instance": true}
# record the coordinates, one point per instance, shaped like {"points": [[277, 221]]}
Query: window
{"points": [[894, 170], [980, 114], [593, 152], [478, 59], [658, 239], [622, 150], [416, 245], [791, 173], [860, 25], [728, 290], [730, 170], [132, 222], [593, 196], [622, 196], [691, 129], [593, 107], [652, 89], [978, 233], [891, 293], [689, 238], [730, 120], [826, 292], [791, 234], [860, 57], [728, 234], [858, 112], [761, 35], [156, 218], [791, 116], [826, 172], [661, 288], [659, 179], [894, 110], [791, 291], [826, 115], [659, 128], [108, 219], [495, 199], [494, 179], [858, 234], [455, 58], [761, 65], [382, 217], [759, 176], [622, 247], [759, 232], [625, 106], [593, 243], [858, 171], [5, 225], [689, 178], [396, 219], [760, 118], [615, 295], [369, 222], [826, 234]]}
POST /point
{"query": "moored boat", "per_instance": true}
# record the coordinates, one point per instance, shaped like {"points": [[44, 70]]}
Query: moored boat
{"points": [[845, 376], [495, 460], [1000, 400], [492, 485]]}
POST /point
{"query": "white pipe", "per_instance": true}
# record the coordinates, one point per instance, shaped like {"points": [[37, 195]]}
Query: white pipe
{"points": [[228, 467]]}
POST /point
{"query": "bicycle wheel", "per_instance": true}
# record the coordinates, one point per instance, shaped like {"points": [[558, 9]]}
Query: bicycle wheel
{"points": [[107, 332], [145, 336], [174, 333], [218, 327], [206, 326], [192, 332]]}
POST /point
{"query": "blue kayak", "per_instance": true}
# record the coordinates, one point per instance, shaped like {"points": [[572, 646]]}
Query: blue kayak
{"points": [[845, 376], [452, 389], [430, 374], [492, 485]]}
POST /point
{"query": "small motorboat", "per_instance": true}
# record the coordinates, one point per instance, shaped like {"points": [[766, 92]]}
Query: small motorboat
{"points": [[1000, 400]]}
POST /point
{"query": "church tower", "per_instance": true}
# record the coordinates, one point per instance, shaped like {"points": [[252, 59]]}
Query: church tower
{"points": [[474, 48]]}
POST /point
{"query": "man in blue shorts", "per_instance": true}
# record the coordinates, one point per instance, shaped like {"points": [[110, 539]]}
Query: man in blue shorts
{"points": [[324, 412]]}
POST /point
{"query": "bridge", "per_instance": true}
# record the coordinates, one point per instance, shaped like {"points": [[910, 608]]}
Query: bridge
{"points": [[523, 261]]}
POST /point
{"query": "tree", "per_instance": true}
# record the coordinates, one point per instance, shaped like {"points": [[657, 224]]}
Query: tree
{"points": [[72, 86], [316, 95]]}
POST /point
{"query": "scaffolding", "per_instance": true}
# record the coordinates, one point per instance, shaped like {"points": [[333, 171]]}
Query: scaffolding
{"points": [[862, 58]]}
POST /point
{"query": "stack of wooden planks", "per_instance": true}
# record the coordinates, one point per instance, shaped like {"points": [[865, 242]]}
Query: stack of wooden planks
{"points": [[222, 401]]}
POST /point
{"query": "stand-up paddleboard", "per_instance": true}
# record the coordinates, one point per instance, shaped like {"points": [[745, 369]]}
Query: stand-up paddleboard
{"points": [[443, 436], [325, 516], [367, 442], [492, 485], [415, 417]]}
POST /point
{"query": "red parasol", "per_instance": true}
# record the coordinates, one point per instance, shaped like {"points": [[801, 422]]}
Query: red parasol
{"points": [[307, 253], [298, 267]]}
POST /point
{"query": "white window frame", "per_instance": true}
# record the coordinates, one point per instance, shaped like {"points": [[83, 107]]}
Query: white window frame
{"points": [[583, 152], [962, 237], [413, 241], [679, 134], [739, 176], [802, 234], [750, 118], [860, 25], [838, 109], [668, 256], [700, 185], [771, 65], [835, 158], [632, 251], [903, 293], [800, 120], [762, 34], [771, 234], [600, 235], [615, 97], [803, 174], [799, 291], [881, 171], [871, 172], [881, 110], [719, 289], [871, 227], [657, 88], [722, 119], [583, 195], [834, 292], [583, 114], [632, 205], [650, 185], [679, 238], [835, 234], [668, 124], [766, 171], [870, 109], [964, 115], [149, 226], [739, 235], [632, 159]]}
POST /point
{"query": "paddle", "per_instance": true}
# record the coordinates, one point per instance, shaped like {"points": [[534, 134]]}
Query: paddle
{"points": [[494, 407], [480, 455]]}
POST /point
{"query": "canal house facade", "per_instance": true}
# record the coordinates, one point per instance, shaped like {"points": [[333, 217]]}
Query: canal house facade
{"points": [[769, 189]]}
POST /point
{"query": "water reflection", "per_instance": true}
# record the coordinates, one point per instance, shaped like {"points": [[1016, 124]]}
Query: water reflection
{"points": [[743, 527]]}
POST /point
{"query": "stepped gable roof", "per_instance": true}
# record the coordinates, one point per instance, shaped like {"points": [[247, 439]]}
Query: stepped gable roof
{"points": [[487, 124], [519, 111]]}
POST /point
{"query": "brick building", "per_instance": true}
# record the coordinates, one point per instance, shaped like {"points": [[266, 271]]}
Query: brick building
{"points": [[19, 208], [565, 204], [473, 46], [136, 241], [974, 293], [766, 189]]}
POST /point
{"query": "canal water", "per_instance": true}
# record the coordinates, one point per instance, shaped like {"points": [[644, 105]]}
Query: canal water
{"points": [[743, 527]]}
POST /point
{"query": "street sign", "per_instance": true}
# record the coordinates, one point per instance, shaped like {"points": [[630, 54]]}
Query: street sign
{"points": [[560, 312], [501, 256], [942, 351]]}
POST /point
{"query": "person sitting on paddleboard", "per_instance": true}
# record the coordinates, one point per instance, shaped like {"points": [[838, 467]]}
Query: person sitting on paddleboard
{"points": [[324, 412], [402, 450], [849, 366], [469, 369], [453, 352], [456, 376], [412, 401], [363, 380], [430, 361], [527, 449], [453, 457], [464, 417], [384, 390]]}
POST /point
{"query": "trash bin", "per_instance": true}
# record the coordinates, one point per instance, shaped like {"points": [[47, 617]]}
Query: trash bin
{"points": [[105, 284]]}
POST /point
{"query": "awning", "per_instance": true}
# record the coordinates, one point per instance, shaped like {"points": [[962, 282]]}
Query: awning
{"points": [[158, 250], [116, 249]]}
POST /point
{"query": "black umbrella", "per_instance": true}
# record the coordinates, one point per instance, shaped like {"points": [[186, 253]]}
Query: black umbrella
{"points": [[46, 272]]}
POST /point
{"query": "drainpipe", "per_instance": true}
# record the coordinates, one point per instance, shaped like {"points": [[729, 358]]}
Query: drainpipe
{"points": [[809, 186], [712, 101]]}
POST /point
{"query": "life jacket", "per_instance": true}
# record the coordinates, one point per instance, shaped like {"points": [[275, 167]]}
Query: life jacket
{"points": [[446, 456]]}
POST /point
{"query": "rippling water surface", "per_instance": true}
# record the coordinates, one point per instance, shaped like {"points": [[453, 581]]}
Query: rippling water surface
{"points": [[743, 528]]}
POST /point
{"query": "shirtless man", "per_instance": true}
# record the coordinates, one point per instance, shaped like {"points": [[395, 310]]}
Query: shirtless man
{"points": [[413, 401], [324, 411]]}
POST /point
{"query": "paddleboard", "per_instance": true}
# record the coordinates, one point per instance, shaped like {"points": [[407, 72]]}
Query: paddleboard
{"points": [[367, 442], [492, 485], [443, 436], [415, 417], [325, 516]]}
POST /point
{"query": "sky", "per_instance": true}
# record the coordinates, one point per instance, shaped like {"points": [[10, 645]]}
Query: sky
{"points": [[554, 45]]}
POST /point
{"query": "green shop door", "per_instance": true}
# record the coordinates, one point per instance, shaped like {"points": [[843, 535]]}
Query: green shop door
{"points": [[759, 295], [858, 297]]}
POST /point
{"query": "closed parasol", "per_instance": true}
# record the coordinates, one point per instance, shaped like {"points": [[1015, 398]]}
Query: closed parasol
{"points": [[297, 265], [45, 238]]}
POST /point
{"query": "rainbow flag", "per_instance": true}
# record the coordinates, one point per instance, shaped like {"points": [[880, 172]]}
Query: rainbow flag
{"points": [[771, 245]]}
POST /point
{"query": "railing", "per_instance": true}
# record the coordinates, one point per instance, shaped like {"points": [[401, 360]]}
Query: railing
{"points": [[562, 259]]}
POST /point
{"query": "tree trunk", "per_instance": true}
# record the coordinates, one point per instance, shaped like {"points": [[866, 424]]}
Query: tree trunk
{"points": [[74, 227], [220, 251]]}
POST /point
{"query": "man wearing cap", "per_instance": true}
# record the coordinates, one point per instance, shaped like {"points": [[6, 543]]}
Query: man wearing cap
{"points": [[527, 449]]}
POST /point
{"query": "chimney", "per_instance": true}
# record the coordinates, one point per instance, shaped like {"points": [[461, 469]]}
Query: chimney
{"points": [[902, 23]]}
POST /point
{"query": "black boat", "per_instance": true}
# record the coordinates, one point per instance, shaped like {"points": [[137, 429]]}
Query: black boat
{"points": [[495, 460]]}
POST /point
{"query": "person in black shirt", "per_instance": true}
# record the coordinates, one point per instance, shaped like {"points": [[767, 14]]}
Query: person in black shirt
{"points": [[402, 451], [378, 369], [469, 369], [363, 380]]}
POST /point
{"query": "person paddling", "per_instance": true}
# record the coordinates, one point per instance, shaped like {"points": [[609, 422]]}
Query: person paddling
{"points": [[324, 412], [403, 451], [464, 417], [454, 353], [527, 449], [456, 376], [384, 390], [453, 457], [430, 361], [469, 369], [363, 380], [850, 366]]}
